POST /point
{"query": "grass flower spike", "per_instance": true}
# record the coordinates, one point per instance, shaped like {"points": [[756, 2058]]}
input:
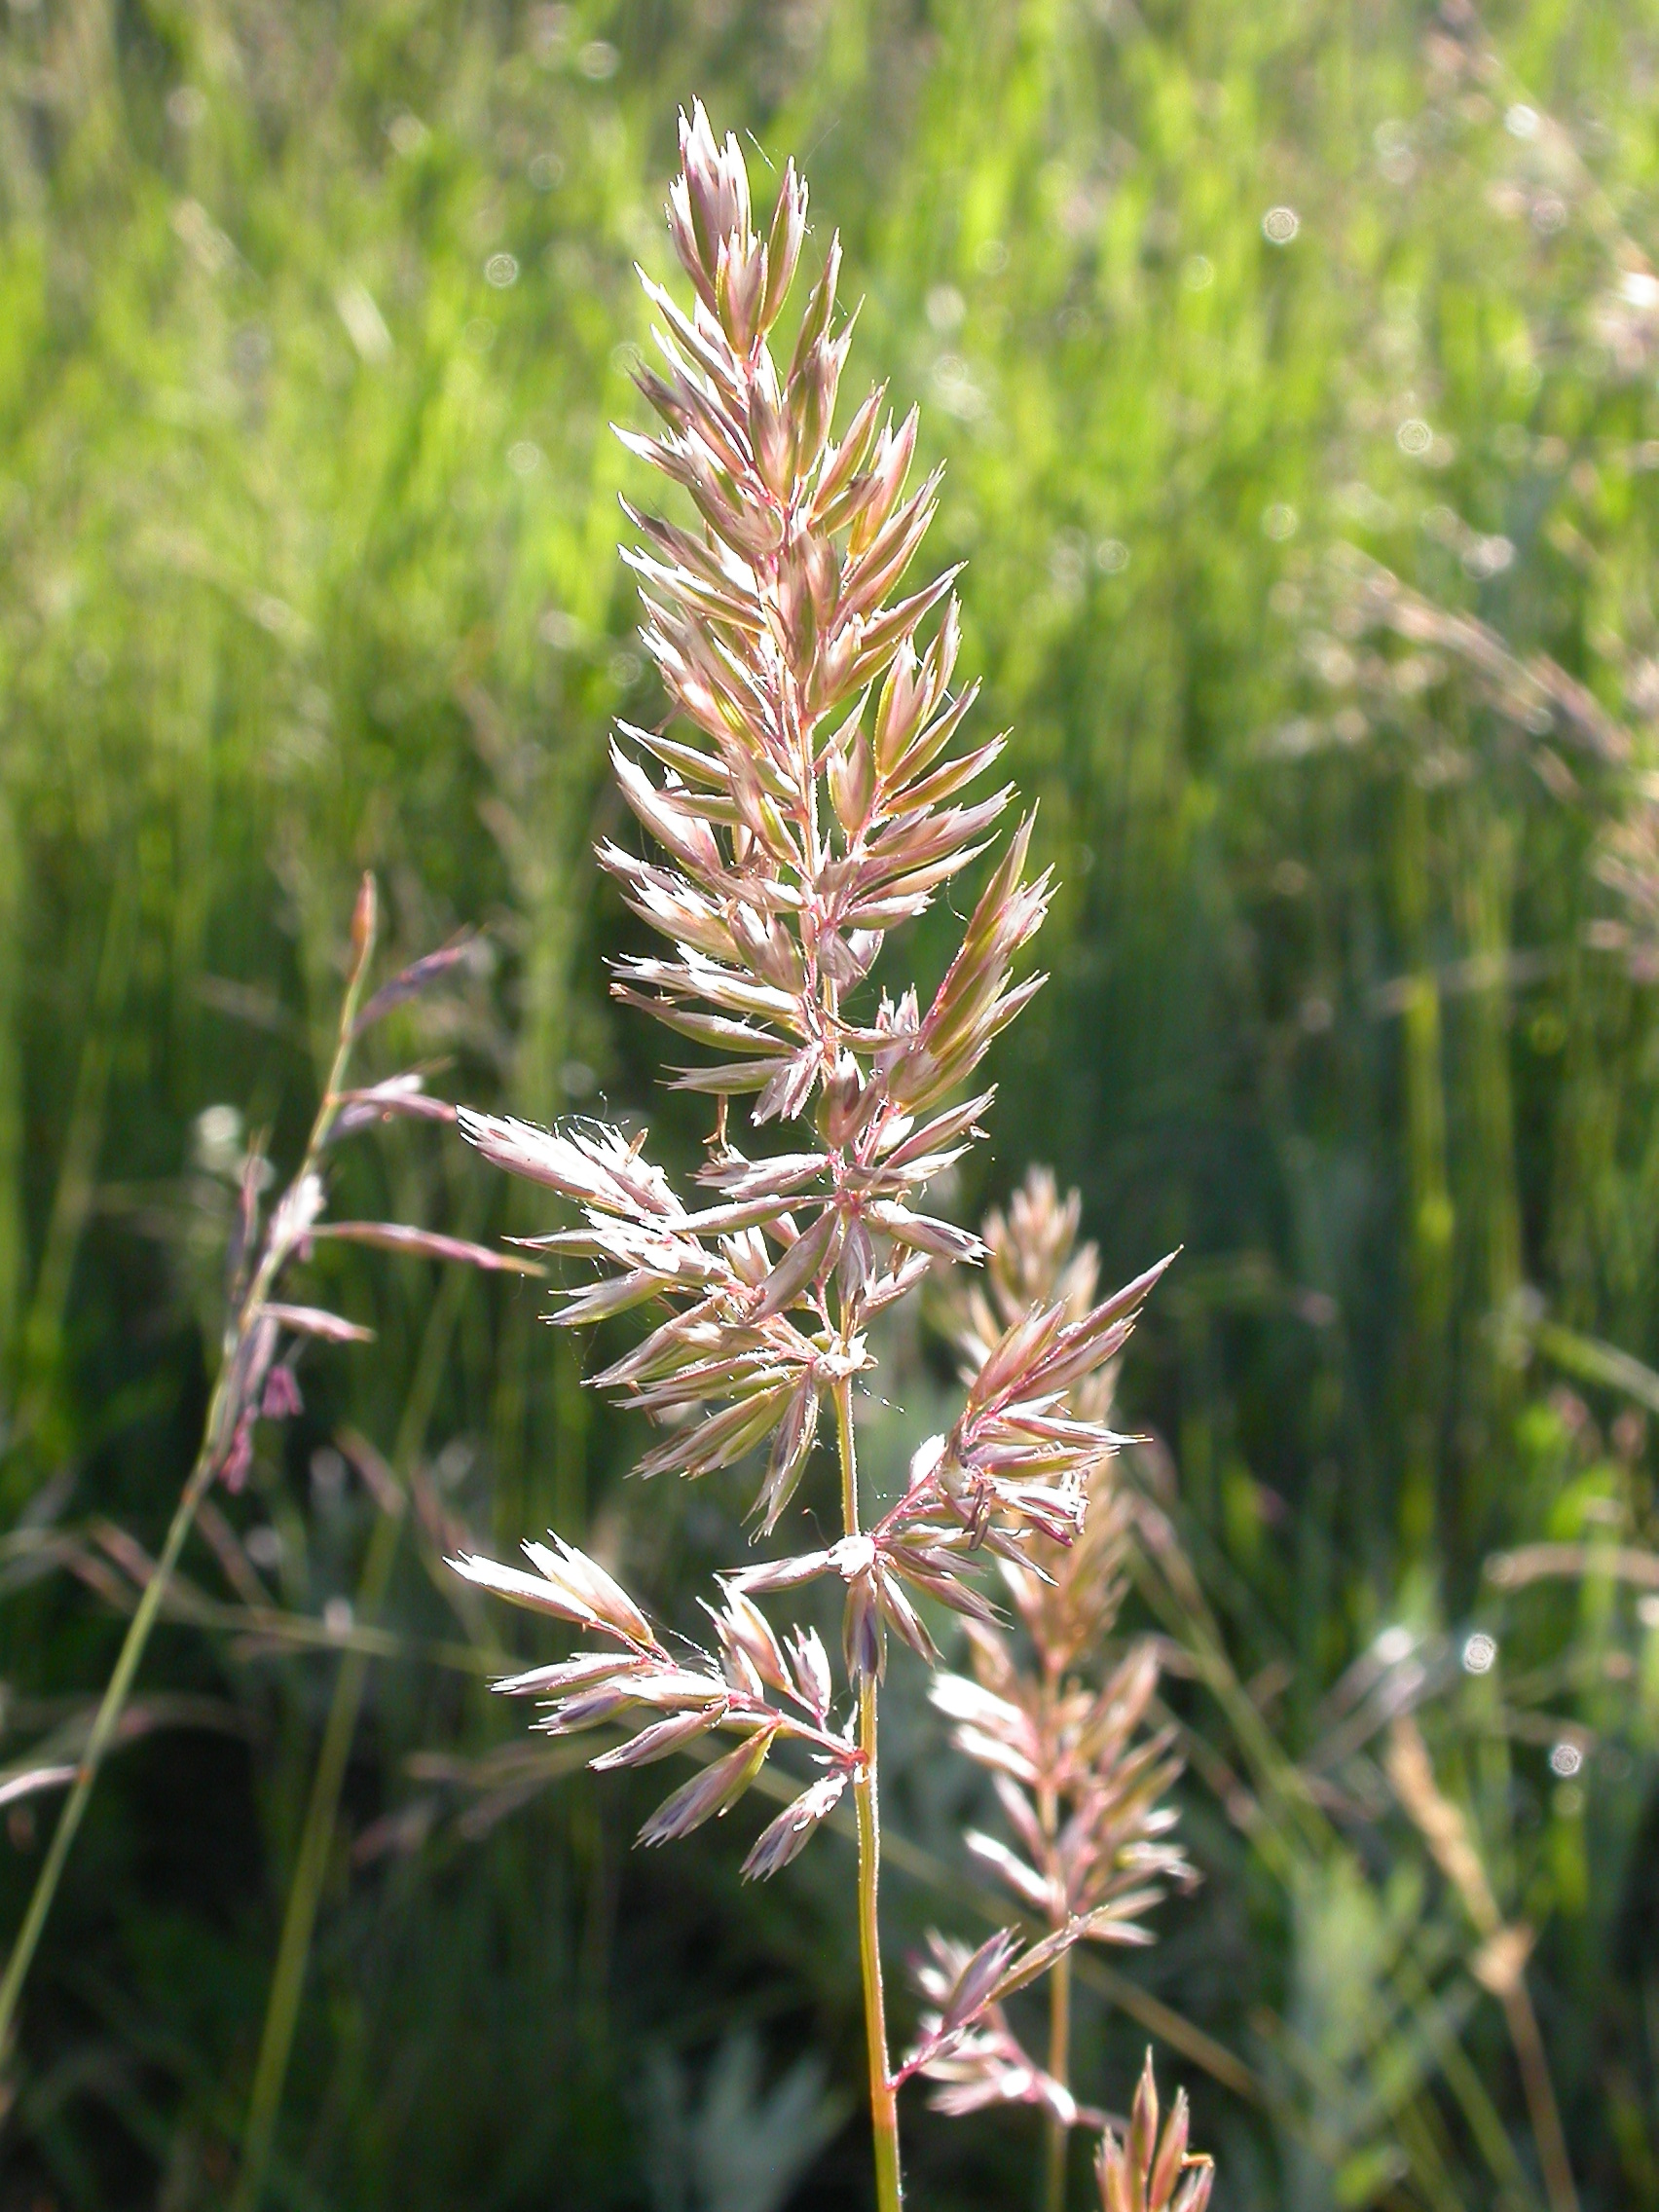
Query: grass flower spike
{"points": [[810, 799]]}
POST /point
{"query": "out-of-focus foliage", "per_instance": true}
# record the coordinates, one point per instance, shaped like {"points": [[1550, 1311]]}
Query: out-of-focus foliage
{"points": [[1295, 368]]}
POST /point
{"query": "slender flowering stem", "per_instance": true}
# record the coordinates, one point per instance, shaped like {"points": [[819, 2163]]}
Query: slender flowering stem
{"points": [[217, 1439], [867, 1802], [242, 1390], [883, 2093], [1054, 2130], [1056, 2134]]}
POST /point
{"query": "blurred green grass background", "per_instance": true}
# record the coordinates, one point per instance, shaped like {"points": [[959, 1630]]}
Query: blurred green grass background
{"points": [[1295, 367]]}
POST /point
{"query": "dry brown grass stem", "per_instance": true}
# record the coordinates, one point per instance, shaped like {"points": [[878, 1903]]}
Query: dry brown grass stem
{"points": [[1499, 1964]]}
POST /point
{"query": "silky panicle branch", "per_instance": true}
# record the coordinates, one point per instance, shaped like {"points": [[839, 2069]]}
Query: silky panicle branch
{"points": [[805, 796], [263, 1335]]}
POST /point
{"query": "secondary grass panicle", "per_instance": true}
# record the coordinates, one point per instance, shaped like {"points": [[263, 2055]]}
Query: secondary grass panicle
{"points": [[1079, 1780], [809, 803]]}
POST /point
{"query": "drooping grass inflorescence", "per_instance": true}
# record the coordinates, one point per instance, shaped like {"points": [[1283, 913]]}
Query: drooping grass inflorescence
{"points": [[809, 803]]}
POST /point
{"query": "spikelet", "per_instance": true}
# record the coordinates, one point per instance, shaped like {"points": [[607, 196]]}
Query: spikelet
{"points": [[1145, 2172]]}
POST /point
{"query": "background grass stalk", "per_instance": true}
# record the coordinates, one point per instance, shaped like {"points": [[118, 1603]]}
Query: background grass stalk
{"points": [[1056, 2133], [317, 1842], [77, 1174], [1523, 2023]]}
